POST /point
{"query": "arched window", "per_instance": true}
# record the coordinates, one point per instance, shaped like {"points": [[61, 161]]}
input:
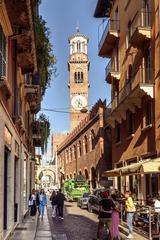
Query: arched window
{"points": [[78, 76], [80, 148], [93, 138], [70, 154], [85, 144], [82, 76], [75, 77], [75, 152], [66, 156], [78, 46]]}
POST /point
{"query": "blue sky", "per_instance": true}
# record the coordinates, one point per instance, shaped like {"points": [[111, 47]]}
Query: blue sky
{"points": [[62, 17]]}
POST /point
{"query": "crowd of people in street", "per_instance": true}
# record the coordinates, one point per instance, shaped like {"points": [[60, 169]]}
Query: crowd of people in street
{"points": [[109, 209], [57, 201], [38, 201], [109, 215]]}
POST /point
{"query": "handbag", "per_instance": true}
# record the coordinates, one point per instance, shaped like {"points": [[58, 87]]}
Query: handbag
{"points": [[30, 203]]}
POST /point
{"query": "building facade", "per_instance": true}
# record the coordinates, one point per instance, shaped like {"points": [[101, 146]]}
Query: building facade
{"points": [[86, 150], [19, 101], [130, 40]]}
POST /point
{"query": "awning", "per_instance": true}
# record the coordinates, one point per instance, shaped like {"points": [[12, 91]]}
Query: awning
{"points": [[144, 167]]}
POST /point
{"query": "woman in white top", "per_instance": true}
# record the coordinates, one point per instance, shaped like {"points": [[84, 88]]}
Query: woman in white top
{"points": [[32, 203]]}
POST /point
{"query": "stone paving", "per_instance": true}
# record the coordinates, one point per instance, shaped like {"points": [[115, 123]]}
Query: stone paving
{"points": [[43, 228], [25, 230], [78, 224]]}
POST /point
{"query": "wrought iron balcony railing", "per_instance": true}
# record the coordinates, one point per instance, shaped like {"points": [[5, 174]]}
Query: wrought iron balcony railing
{"points": [[111, 70], [140, 28], [108, 25]]}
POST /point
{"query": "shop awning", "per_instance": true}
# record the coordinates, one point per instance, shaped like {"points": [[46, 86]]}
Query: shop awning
{"points": [[144, 167]]}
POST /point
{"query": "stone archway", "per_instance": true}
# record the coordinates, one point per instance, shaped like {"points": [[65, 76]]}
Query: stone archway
{"points": [[47, 173]]}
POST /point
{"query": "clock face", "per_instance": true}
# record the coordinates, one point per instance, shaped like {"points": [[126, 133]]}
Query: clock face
{"points": [[79, 102]]}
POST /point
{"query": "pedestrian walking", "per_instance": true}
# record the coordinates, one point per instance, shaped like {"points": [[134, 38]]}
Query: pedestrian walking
{"points": [[60, 203], [115, 219], [32, 203], [53, 200], [130, 210], [106, 206], [43, 202]]}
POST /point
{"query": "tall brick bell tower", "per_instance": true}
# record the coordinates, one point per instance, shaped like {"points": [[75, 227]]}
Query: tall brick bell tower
{"points": [[78, 66]]}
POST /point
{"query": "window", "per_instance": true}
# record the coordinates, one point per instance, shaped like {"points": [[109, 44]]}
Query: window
{"points": [[75, 152], [147, 66], [70, 152], [78, 46], [148, 114], [130, 123], [117, 132], [2, 53], [146, 13], [92, 139], [78, 77], [66, 156], [116, 60], [85, 144], [80, 149]]}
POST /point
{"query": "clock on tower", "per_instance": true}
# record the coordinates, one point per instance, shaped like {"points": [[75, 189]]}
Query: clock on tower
{"points": [[78, 66]]}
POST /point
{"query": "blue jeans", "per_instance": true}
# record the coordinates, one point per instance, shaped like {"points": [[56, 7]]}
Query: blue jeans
{"points": [[130, 221], [41, 208]]}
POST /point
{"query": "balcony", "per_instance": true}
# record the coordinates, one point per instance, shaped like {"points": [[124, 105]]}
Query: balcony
{"points": [[111, 73], [32, 92], [130, 95], [140, 29], [31, 85], [110, 34], [36, 134]]}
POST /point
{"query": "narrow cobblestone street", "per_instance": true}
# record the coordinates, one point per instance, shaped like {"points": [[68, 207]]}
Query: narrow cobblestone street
{"points": [[78, 224]]}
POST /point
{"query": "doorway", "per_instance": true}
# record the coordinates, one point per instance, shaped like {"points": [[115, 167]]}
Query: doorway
{"points": [[6, 157], [15, 189]]}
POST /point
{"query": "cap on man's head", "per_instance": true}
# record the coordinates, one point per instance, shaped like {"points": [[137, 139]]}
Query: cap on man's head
{"points": [[104, 194]]}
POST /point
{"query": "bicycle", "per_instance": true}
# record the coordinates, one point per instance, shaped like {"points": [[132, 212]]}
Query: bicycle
{"points": [[105, 232]]}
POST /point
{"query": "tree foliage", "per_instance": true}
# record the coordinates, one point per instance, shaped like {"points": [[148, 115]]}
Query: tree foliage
{"points": [[45, 131], [45, 57]]}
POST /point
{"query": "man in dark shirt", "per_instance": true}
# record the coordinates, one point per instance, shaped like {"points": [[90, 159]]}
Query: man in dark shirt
{"points": [[106, 206], [60, 203]]}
